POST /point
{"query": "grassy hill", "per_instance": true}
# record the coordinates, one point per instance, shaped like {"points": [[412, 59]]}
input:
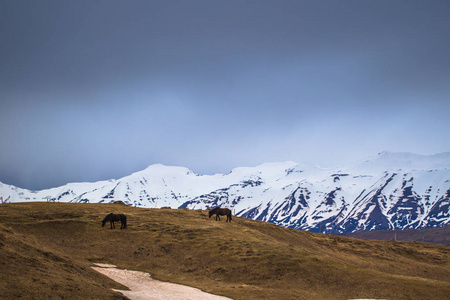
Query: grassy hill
{"points": [[46, 250], [439, 235]]}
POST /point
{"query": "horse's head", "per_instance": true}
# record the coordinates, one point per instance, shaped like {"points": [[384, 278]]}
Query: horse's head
{"points": [[214, 211], [106, 219]]}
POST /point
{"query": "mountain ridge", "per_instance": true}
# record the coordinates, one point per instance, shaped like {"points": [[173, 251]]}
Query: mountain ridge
{"points": [[388, 191]]}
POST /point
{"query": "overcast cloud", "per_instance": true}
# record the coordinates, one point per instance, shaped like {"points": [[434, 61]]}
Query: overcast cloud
{"points": [[93, 90]]}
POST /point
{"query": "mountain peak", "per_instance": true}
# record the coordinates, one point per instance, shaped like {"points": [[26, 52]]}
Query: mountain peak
{"points": [[388, 160], [162, 170]]}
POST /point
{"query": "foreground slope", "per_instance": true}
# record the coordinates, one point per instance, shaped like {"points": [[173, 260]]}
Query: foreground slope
{"points": [[33, 270], [243, 260]]}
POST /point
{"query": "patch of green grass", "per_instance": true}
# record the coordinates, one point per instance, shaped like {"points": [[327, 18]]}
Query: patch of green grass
{"points": [[244, 259]]}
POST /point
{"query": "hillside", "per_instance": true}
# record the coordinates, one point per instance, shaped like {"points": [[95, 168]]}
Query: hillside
{"points": [[429, 235], [385, 192], [48, 249]]}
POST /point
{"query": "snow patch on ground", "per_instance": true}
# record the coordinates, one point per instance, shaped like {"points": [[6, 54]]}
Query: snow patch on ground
{"points": [[143, 287]]}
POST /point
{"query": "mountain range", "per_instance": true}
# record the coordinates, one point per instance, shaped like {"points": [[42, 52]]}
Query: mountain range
{"points": [[385, 192]]}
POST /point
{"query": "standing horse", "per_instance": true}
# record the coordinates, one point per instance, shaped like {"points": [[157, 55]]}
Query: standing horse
{"points": [[113, 218], [220, 212]]}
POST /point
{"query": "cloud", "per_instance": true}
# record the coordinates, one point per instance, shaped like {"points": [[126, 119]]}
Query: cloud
{"points": [[98, 90]]}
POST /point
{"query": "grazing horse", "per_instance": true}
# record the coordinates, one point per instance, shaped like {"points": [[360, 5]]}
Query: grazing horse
{"points": [[220, 212], [112, 218]]}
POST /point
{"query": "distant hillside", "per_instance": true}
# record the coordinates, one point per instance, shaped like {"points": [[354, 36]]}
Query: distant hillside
{"points": [[46, 250], [428, 235]]}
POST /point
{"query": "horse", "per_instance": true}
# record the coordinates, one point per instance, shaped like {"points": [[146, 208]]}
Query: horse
{"points": [[220, 212], [113, 218]]}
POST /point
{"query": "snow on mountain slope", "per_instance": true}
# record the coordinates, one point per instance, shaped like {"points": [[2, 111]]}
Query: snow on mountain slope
{"points": [[389, 191]]}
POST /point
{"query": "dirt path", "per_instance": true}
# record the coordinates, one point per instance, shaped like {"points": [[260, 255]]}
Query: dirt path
{"points": [[143, 287]]}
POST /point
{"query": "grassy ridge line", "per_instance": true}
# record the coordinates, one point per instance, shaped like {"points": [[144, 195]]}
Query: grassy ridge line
{"points": [[243, 260]]}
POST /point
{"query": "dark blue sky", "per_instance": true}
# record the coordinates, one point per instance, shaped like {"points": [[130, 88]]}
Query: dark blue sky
{"points": [[93, 90]]}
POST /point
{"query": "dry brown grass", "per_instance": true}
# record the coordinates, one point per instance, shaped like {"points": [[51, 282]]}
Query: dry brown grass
{"points": [[439, 235], [50, 246]]}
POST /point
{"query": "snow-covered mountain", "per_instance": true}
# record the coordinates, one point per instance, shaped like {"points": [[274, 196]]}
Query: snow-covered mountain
{"points": [[389, 191]]}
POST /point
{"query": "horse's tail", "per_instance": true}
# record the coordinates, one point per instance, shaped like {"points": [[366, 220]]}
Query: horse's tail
{"points": [[124, 221]]}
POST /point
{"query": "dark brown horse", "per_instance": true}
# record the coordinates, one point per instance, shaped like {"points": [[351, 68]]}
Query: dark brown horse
{"points": [[113, 218], [220, 212]]}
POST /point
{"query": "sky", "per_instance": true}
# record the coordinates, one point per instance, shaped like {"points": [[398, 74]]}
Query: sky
{"points": [[95, 90]]}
